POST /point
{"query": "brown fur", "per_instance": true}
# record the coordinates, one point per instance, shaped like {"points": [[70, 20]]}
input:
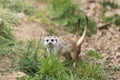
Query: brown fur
{"points": [[75, 48]]}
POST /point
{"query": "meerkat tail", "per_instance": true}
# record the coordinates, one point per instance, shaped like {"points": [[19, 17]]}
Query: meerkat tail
{"points": [[80, 41], [78, 30]]}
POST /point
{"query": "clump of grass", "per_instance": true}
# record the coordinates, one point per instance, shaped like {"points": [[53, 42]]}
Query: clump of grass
{"points": [[50, 66], [66, 13], [9, 20], [91, 71], [112, 4], [6, 32], [106, 3], [112, 19], [115, 19], [52, 69], [29, 61], [18, 6], [94, 54], [3, 48]]}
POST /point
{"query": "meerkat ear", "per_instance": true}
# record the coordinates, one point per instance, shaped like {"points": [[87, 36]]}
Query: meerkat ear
{"points": [[80, 40]]}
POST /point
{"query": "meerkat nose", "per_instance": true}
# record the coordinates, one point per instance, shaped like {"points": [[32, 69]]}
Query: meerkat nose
{"points": [[50, 43]]}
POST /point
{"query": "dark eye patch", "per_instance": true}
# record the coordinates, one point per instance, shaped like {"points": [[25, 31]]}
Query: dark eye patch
{"points": [[56, 40], [47, 40], [52, 40]]}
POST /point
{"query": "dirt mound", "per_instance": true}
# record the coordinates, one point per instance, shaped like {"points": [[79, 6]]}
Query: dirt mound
{"points": [[27, 30]]}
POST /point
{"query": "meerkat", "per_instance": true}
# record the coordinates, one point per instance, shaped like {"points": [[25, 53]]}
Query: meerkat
{"points": [[70, 50]]}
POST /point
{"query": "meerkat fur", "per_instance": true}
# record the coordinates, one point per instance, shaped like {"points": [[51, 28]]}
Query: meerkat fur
{"points": [[76, 46]]}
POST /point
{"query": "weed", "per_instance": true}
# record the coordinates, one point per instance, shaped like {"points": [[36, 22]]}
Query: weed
{"points": [[52, 69], [29, 61], [112, 4], [91, 71], [18, 6], [50, 66], [115, 19], [8, 20], [106, 3], [94, 54]]}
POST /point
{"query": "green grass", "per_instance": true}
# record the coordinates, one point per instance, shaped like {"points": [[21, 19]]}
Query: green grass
{"points": [[66, 13], [94, 54], [29, 61], [18, 6], [112, 4], [52, 69], [115, 19], [106, 3], [112, 19], [9, 20]]}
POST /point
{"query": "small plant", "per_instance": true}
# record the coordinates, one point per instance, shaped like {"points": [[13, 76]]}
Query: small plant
{"points": [[51, 66], [18, 6], [52, 69], [94, 54], [112, 4], [29, 61], [115, 19], [9, 20], [91, 71], [106, 3], [112, 19]]}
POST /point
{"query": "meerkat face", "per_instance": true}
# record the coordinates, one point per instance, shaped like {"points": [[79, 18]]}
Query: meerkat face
{"points": [[50, 41]]}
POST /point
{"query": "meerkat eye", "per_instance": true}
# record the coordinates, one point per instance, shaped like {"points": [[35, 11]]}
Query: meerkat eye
{"points": [[47, 40], [52, 40], [56, 40]]}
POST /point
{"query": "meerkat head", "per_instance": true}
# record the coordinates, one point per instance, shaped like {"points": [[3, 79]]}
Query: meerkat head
{"points": [[50, 41]]}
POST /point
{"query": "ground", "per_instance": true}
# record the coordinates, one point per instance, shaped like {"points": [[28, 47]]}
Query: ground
{"points": [[106, 41]]}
